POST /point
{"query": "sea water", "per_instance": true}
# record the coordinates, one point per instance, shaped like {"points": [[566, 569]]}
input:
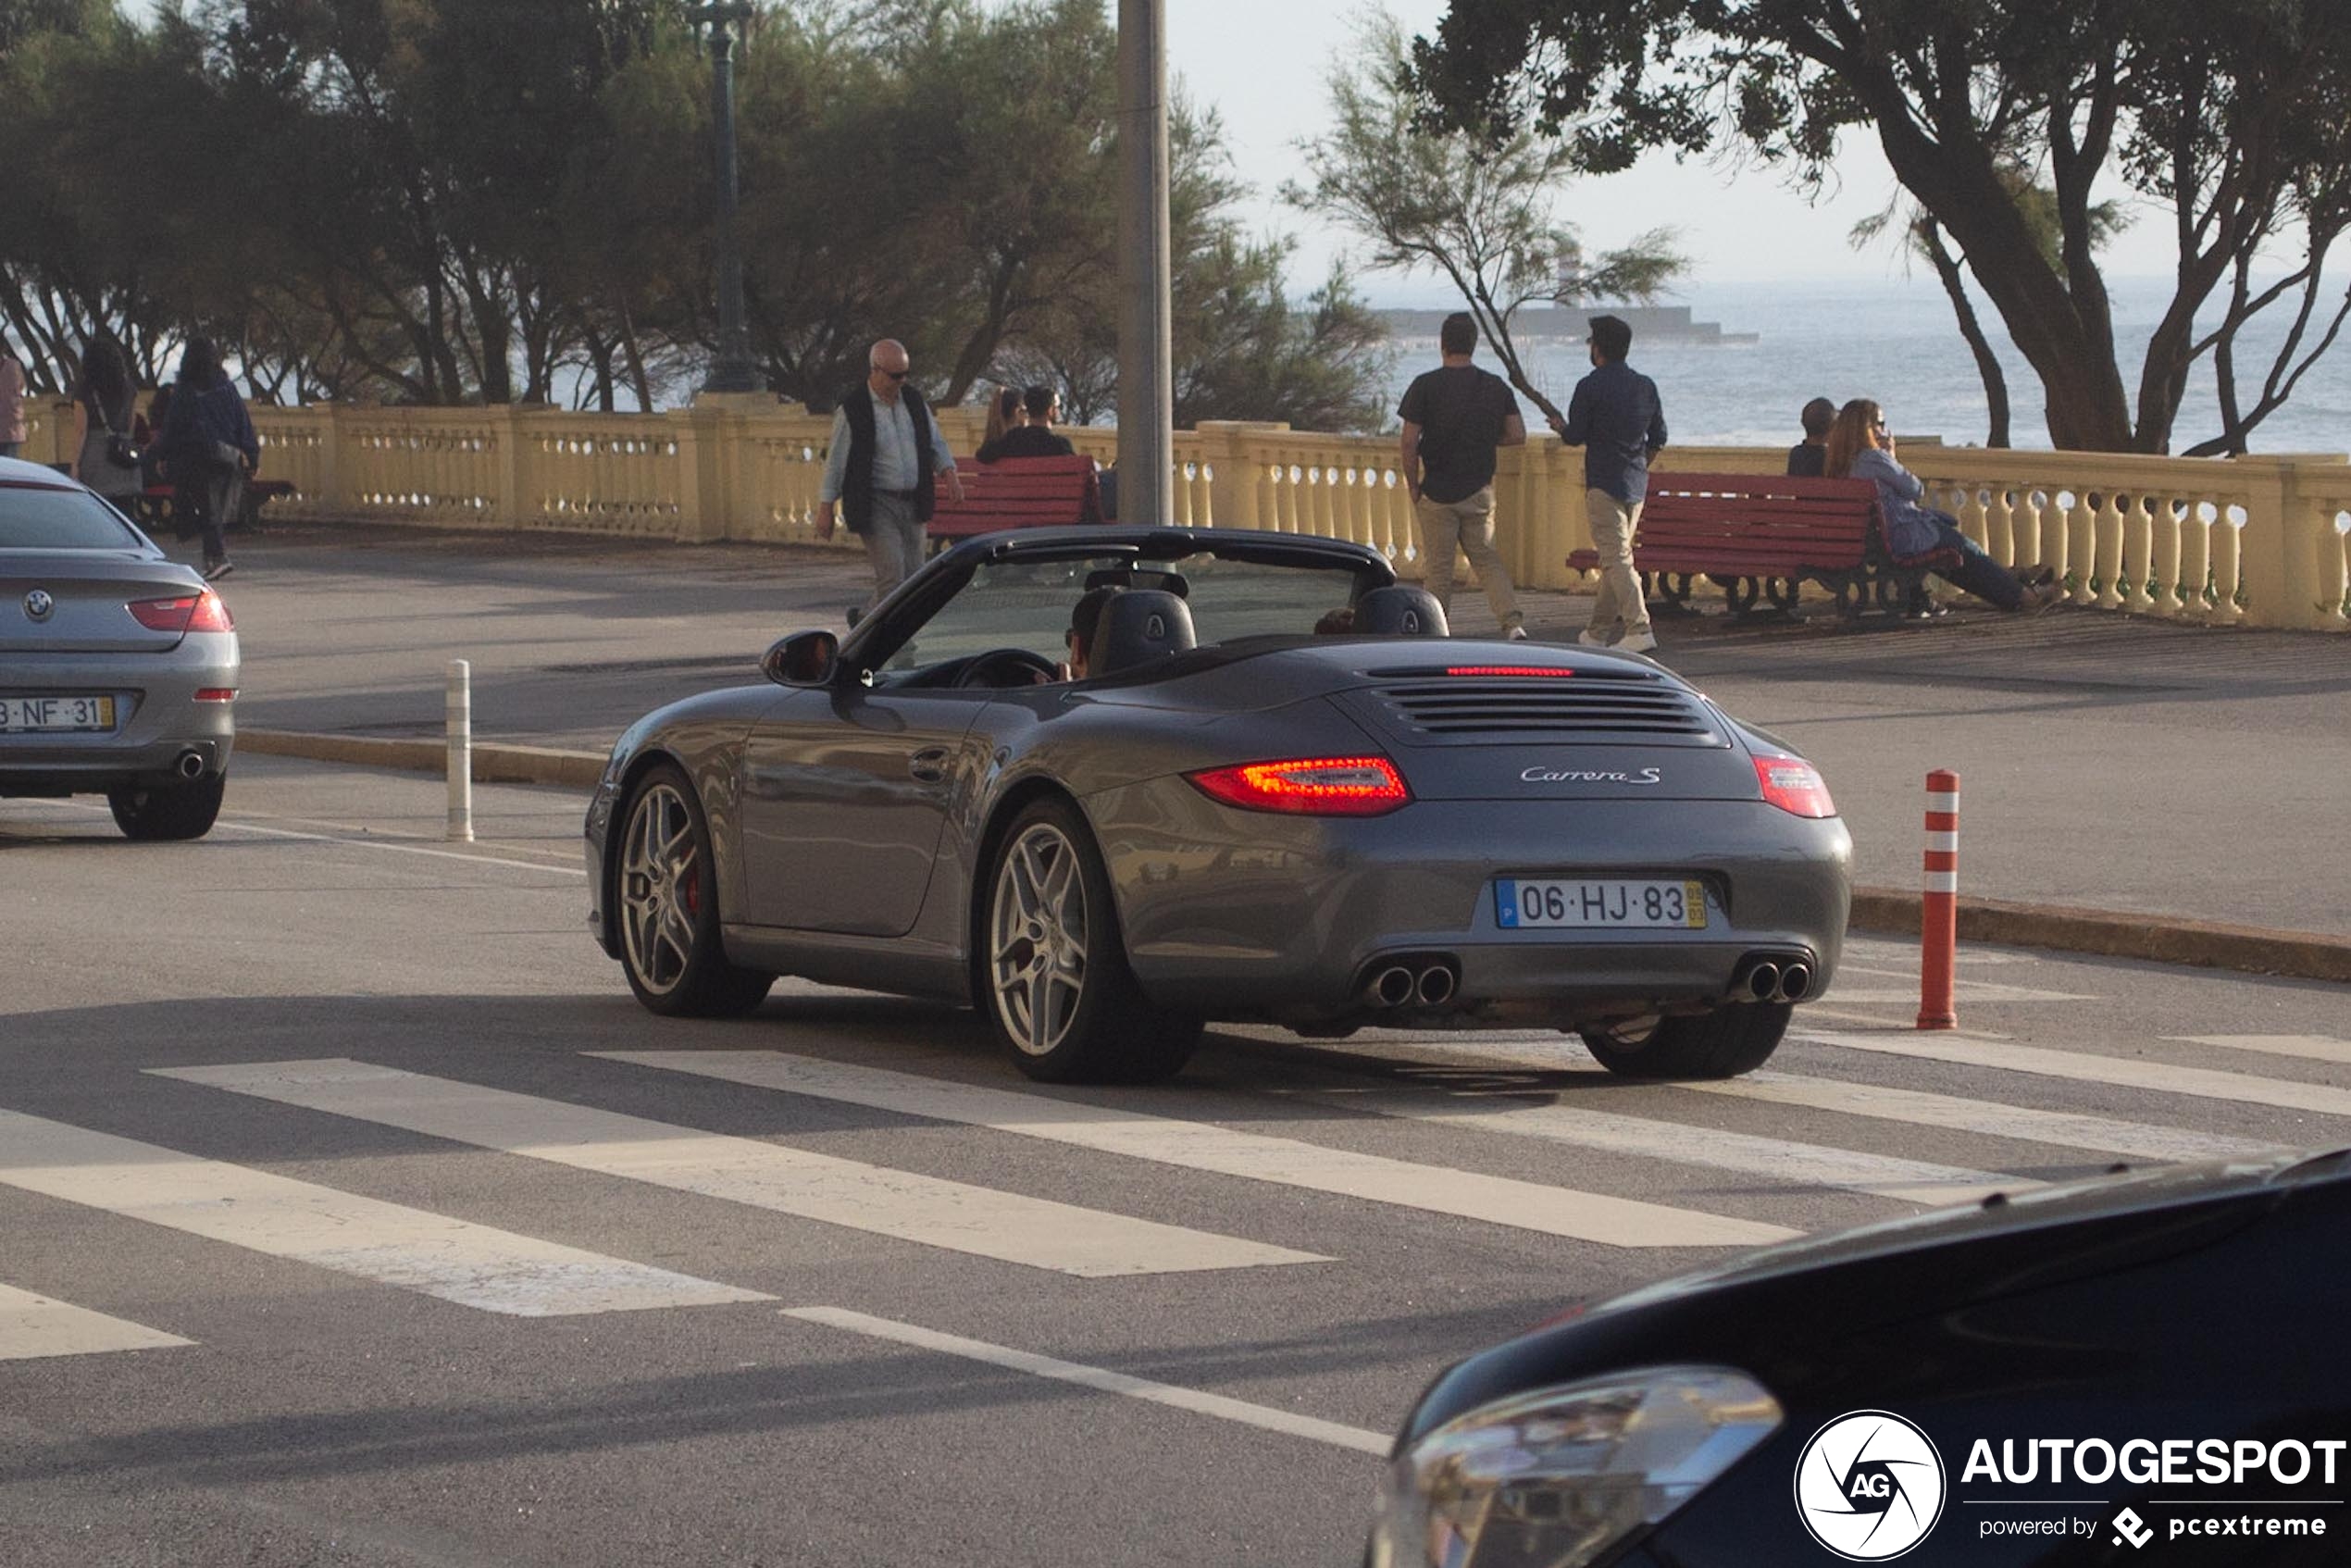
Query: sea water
{"points": [[1897, 341]]}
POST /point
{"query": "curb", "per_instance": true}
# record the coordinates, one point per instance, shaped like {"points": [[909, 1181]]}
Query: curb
{"points": [[493, 763], [2157, 940]]}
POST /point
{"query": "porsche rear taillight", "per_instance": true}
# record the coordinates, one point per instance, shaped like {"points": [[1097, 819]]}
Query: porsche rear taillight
{"points": [[1512, 672], [192, 612], [1309, 785], [1793, 786]]}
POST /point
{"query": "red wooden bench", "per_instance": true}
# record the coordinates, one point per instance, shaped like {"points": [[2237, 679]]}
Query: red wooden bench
{"points": [[1017, 493], [1759, 536]]}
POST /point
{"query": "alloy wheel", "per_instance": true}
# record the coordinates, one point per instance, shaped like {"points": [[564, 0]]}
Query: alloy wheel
{"points": [[1036, 938], [659, 888]]}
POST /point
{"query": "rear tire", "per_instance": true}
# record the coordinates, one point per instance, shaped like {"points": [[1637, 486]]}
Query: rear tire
{"points": [[166, 811], [1053, 969], [1720, 1044], [667, 904]]}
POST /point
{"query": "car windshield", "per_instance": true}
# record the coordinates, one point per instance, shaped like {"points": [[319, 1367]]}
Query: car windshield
{"points": [[48, 518], [1027, 604]]}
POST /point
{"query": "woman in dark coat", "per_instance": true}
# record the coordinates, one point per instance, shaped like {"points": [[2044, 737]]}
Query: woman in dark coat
{"points": [[102, 400], [208, 448]]}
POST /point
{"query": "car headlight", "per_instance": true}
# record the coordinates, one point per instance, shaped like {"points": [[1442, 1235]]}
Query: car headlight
{"points": [[1553, 1478]]}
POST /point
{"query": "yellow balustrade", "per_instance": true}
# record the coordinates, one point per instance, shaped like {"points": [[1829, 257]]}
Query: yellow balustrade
{"points": [[2256, 541]]}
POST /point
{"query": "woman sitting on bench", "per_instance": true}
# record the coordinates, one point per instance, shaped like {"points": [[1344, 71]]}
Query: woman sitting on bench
{"points": [[1860, 447]]}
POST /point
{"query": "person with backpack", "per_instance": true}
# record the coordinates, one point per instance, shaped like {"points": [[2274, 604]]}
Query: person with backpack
{"points": [[209, 446]]}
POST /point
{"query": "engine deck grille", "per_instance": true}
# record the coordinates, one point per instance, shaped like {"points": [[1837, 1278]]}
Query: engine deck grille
{"points": [[1586, 706]]}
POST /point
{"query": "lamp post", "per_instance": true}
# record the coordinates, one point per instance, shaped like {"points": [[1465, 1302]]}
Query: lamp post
{"points": [[733, 370], [1146, 389]]}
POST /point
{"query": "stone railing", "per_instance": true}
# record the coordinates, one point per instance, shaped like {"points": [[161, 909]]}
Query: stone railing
{"points": [[2254, 541]]}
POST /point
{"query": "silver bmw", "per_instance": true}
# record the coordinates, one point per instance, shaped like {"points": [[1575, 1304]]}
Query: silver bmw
{"points": [[1265, 787], [117, 668]]}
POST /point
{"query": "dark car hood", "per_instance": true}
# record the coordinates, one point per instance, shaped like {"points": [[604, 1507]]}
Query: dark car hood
{"points": [[1769, 1305]]}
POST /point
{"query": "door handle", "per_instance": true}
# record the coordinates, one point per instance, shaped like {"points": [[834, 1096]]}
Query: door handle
{"points": [[929, 764]]}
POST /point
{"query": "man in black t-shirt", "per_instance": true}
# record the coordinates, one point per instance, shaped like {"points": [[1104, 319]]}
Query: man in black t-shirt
{"points": [[1035, 439], [1454, 419]]}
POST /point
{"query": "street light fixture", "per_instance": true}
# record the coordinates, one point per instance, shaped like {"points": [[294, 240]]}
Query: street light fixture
{"points": [[733, 371]]}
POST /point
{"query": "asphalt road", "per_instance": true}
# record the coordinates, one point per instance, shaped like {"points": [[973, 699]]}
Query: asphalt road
{"points": [[2107, 760], [355, 1214]]}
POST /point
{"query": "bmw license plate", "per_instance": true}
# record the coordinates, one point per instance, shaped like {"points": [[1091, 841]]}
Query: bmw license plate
{"points": [[37, 715], [1520, 903]]}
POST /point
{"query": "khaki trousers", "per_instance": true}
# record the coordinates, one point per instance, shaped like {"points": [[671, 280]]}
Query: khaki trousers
{"points": [[1452, 527], [1614, 522], [894, 540]]}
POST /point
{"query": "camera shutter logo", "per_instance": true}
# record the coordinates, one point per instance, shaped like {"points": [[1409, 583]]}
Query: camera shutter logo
{"points": [[1869, 1486]]}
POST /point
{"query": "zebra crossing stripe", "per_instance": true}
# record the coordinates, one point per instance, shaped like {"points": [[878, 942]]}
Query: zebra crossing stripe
{"points": [[455, 1259], [1204, 1146], [2312, 1048], [35, 1326], [2114, 1072], [1089, 1243], [2025, 1124], [1288, 1422], [1778, 1160]]}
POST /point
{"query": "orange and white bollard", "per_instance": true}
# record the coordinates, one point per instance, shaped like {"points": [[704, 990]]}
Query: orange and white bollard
{"points": [[1939, 903]]}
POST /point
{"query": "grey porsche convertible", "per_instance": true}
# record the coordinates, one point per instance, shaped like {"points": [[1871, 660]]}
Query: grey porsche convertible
{"points": [[1106, 784]]}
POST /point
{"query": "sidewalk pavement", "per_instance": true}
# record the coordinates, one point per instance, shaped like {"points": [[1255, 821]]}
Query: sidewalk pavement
{"points": [[2128, 786]]}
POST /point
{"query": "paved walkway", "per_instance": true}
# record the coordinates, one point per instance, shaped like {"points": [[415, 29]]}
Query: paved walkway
{"points": [[2107, 760]]}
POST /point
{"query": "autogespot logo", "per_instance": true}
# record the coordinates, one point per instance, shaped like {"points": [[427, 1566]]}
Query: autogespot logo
{"points": [[1869, 1486]]}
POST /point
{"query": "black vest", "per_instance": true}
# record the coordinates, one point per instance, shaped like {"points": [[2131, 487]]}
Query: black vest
{"points": [[857, 477]]}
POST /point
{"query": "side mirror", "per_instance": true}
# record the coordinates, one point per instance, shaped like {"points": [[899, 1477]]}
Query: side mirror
{"points": [[805, 658]]}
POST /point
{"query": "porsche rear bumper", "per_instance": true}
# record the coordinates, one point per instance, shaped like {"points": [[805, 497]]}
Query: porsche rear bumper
{"points": [[1234, 914]]}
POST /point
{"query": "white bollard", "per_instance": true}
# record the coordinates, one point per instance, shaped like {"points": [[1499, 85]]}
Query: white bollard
{"points": [[461, 750]]}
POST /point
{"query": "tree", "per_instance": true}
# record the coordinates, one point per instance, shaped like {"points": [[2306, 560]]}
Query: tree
{"points": [[1480, 214], [430, 202], [2204, 106], [1924, 237]]}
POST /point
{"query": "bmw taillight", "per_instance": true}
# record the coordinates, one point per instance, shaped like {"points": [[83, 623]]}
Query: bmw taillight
{"points": [[194, 612], [1793, 786], [1309, 785]]}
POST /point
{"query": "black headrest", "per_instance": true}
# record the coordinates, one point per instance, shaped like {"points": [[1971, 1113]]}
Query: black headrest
{"points": [[1400, 611], [1138, 627]]}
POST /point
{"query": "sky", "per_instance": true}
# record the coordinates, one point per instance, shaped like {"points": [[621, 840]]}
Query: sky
{"points": [[1263, 65]]}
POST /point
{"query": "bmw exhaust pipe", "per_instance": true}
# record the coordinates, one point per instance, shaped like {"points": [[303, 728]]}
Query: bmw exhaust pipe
{"points": [[1392, 986], [1796, 980], [1436, 986], [1764, 981], [190, 766]]}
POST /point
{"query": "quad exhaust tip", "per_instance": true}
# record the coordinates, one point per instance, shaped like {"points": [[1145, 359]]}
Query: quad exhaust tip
{"points": [[1392, 986], [1436, 986], [1764, 981], [1796, 981]]}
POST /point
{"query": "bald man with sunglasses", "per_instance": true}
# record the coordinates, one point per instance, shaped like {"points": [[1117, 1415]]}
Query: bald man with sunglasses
{"points": [[883, 470]]}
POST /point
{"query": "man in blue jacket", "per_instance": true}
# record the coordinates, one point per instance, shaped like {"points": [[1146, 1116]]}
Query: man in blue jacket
{"points": [[1616, 418]]}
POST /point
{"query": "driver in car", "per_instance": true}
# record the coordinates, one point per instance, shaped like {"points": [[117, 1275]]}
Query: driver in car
{"points": [[1085, 617]]}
